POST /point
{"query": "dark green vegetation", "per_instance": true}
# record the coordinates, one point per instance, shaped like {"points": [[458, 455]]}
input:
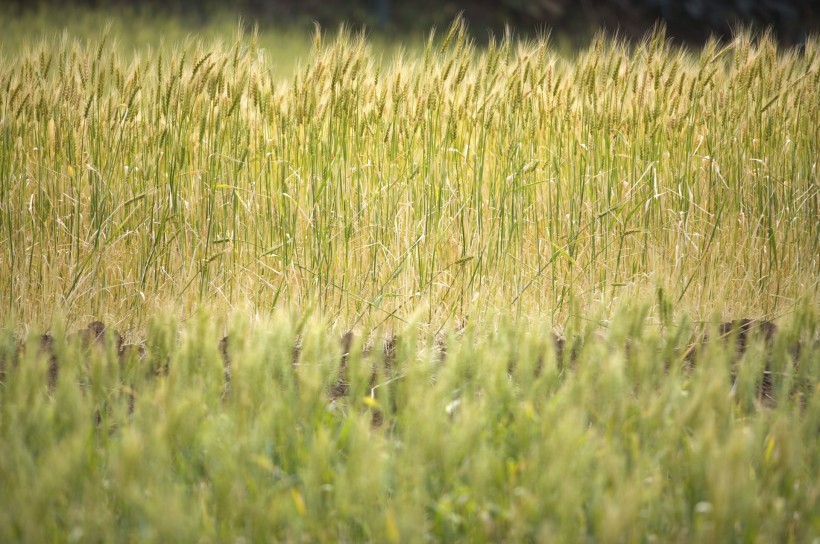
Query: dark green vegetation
{"points": [[689, 20]]}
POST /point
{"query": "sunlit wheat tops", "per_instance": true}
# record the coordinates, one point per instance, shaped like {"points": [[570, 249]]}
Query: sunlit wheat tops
{"points": [[458, 179]]}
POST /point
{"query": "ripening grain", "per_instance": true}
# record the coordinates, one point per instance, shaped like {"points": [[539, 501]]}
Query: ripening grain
{"points": [[464, 181]]}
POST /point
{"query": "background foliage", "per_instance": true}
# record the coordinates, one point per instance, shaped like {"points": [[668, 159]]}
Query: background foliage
{"points": [[690, 20]]}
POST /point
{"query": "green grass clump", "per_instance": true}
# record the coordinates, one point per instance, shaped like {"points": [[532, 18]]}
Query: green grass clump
{"points": [[506, 179], [498, 439]]}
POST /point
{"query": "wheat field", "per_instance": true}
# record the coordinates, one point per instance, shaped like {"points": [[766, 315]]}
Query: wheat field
{"points": [[538, 257]]}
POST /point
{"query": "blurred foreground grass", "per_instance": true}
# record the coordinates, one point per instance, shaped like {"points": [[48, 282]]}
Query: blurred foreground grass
{"points": [[496, 438]]}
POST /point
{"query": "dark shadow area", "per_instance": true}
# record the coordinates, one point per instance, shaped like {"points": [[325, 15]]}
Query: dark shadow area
{"points": [[688, 21]]}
